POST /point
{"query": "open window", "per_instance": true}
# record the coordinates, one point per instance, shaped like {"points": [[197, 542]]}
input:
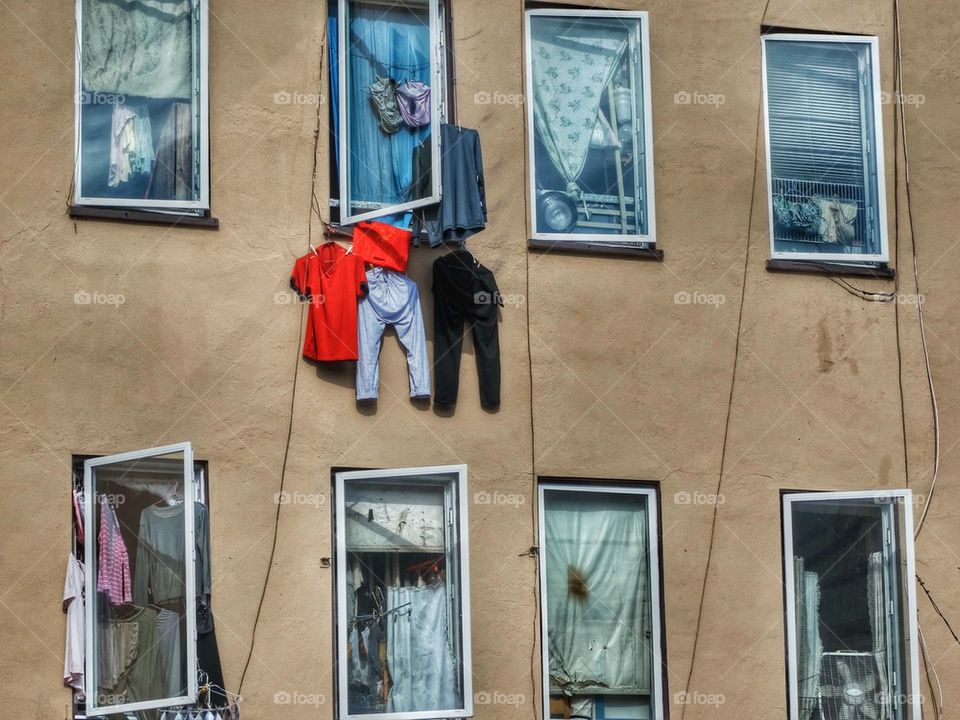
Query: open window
{"points": [[403, 606], [824, 145], [141, 119], [589, 129], [146, 561], [388, 94], [852, 644], [600, 602]]}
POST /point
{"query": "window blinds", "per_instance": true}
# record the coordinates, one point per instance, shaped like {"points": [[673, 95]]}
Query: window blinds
{"points": [[815, 107], [821, 133]]}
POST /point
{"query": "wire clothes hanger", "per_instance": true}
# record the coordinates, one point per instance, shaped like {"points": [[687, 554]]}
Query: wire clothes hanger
{"points": [[205, 709]]}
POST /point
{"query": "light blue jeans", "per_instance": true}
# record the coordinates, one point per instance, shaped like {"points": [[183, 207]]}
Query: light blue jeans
{"points": [[393, 299]]}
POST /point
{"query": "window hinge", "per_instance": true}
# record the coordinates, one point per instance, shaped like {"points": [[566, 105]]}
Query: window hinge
{"points": [[890, 608]]}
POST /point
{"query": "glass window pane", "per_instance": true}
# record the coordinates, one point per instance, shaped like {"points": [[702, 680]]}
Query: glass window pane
{"points": [[590, 149], [598, 604], [139, 102], [388, 105], [823, 167], [848, 562], [403, 605], [140, 643]]}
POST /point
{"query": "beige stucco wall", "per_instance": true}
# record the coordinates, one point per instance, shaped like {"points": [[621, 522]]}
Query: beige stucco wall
{"points": [[626, 383]]}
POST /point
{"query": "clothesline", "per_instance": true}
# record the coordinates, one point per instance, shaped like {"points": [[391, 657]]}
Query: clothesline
{"points": [[392, 66]]}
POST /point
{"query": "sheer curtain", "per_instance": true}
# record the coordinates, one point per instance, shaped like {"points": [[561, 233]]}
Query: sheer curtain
{"points": [[598, 592], [419, 656], [143, 48], [809, 648], [878, 628]]}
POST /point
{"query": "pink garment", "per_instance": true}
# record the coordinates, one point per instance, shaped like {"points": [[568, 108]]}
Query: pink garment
{"points": [[113, 570], [78, 517], [413, 97]]}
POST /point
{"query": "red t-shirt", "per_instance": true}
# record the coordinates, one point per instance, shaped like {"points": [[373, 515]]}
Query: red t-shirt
{"points": [[332, 281], [382, 244]]}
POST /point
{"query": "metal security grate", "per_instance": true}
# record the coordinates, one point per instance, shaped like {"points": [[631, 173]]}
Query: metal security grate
{"points": [[851, 687], [799, 191]]}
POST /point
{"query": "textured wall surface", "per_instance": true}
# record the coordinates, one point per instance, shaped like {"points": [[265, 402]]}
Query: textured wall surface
{"points": [[803, 388]]}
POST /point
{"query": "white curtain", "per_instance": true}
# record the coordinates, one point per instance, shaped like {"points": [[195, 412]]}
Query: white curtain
{"points": [[419, 657], [572, 62], [598, 592], [138, 47], [809, 648], [878, 628]]}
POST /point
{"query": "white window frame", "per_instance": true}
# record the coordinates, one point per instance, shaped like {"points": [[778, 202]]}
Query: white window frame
{"points": [[463, 557], [873, 44], [90, 547], [904, 498], [437, 93], [658, 701], [644, 55], [201, 75]]}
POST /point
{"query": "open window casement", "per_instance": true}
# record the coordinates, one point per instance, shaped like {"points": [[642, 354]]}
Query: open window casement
{"points": [[403, 603], [601, 631], [142, 121], [852, 639], [387, 165], [824, 148], [589, 129], [140, 565]]}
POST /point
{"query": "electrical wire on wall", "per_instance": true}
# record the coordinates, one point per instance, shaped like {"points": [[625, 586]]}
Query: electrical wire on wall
{"points": [[898, 71], [314, 208], [733, 381], [898, 81]]}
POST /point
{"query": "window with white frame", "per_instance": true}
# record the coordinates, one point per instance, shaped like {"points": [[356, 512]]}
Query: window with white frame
{"points": [[146, 562], [589, 128], [141, 119], [388, 91], [824, 146], [403, 603], [600, 602], [851, 606]]}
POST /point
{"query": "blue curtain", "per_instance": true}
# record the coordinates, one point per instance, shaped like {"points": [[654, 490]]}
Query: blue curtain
{"points": [[333, 46], [383, 43]]}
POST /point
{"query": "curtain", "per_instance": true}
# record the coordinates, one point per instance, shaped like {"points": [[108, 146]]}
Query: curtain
{"points": [[878, 628], [419, 657], [809, 648], [333, 46], [598, 592], [572, 63], [391, 43], [138, 47]]}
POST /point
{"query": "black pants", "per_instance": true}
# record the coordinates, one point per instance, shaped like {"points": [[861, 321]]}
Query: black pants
{"points": [[463, 289]]}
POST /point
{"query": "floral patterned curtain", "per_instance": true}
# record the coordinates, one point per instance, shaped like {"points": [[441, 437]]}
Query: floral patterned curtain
{"points": [[572, 62]]}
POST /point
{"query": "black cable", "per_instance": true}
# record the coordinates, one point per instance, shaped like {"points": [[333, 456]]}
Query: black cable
{"points": [[293, 391], [733, 381], [938, 611]]}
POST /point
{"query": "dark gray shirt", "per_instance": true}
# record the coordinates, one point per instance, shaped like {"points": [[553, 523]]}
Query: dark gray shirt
{"points": [[462, 211]]}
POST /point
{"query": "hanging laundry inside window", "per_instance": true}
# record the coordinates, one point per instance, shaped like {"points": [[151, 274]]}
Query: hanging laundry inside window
{"points": [[383, 100], [131, 143], [413, 98]]}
